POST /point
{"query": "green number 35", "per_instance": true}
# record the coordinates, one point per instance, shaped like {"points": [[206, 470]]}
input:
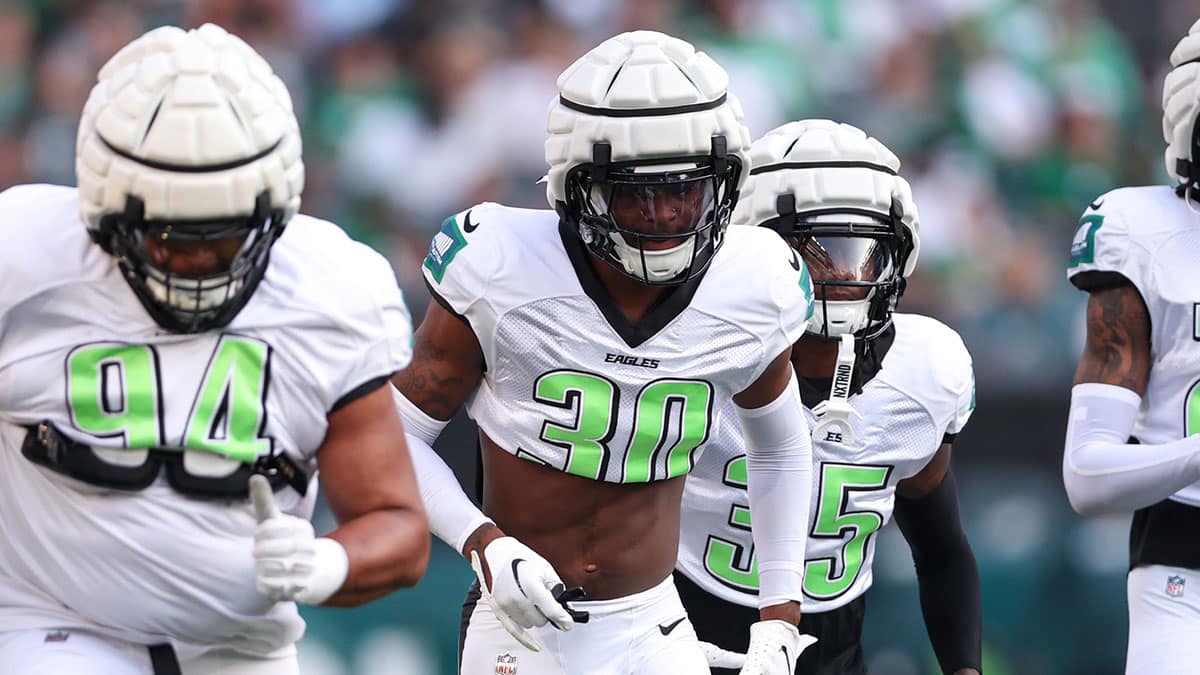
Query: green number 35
{"points": [[824, 578], [115, 390]]}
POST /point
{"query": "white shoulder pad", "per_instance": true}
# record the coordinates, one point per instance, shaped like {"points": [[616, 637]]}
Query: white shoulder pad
{"points": [[464, 257], [355, 289], [929, 362], [763, 285], [43, 243], [1103, 242]]}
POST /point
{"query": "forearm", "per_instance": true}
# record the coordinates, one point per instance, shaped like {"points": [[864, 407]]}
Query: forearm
{"points": [[947, 576], [387, 549], [779, 485], [1105, 474], [453, 517]]}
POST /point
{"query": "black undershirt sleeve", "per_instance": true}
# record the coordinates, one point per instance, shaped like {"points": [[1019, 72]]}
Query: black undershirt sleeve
{"points": [[947, 575]]}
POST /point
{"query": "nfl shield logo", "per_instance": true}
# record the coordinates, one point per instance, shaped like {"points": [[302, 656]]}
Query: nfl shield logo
{"points": [[1175, 586], [506, 664]]}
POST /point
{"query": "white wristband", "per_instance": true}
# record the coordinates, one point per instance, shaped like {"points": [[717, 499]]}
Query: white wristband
{"points": [[331, 565]]}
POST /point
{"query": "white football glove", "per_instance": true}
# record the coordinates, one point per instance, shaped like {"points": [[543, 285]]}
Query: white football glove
{"points": [[721, 658], [774, 647], [290, 561], [523, 589]]}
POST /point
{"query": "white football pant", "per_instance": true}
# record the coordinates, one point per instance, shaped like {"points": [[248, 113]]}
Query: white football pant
{"points": [[1164, 621], [647, 633], [57, 652]]}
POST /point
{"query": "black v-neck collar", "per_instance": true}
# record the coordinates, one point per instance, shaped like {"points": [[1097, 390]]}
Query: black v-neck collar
{"points": [[664, 310], [867, 364]]}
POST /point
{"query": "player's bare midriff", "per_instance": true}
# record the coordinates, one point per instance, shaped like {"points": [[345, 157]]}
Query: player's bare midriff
{"points": [[613, 539]]}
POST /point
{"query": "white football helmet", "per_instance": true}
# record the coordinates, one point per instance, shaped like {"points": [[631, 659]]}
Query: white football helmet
{"points": [[834, 194], [647, 152], [189, 139], [1181, 107]]}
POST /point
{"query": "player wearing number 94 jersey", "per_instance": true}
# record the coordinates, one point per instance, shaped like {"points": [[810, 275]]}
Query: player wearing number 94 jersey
{"points": [[595, 345], [162, 338], [884, 394]]}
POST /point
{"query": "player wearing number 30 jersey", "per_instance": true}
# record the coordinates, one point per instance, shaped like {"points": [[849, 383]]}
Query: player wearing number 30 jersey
{"points": [[596, 346], [168, 329], [885, 396]]}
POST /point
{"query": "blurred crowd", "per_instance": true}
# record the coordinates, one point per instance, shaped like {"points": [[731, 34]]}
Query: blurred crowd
{"points": [[1009, 116]]}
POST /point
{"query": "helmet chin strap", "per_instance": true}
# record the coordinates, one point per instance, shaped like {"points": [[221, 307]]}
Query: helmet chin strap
{"points": [[661, 265], [833, 415]]}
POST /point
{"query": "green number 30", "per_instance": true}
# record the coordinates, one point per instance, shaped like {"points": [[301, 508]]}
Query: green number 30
{"points": [[595, 401], [115, 390]]}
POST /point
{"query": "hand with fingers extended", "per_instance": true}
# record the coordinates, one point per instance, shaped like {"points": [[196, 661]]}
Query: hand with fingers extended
{"points": [[290, 561], [524, 590], [774, 648], [721, 658]]}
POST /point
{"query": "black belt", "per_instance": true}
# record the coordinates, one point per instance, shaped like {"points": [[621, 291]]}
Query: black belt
{"points": [[46, 446], [163, 660], [1165, 534]]}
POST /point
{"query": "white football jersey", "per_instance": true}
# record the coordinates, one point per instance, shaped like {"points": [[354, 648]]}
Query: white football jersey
{"points": [[78, 349], [1150, 236], [924, 390], [570, 382]]}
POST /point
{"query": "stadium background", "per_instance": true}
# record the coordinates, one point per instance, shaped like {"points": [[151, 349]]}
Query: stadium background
{"points": [[1009, 115]]}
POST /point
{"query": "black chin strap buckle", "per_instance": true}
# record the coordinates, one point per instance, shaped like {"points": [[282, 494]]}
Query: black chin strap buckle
{"points": [[785, 206], [720, 155], [601, 158]]}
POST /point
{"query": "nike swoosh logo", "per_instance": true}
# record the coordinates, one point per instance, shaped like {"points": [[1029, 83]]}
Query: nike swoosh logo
{"points": [[666, 630], [515, 562], [1095, 206], [795, 261], [468, 226]]}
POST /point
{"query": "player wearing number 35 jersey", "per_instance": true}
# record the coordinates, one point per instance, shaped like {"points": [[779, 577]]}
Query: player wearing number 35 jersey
{"points": [[885, 396], [597, 346], [174, 340], [1132, 443]]}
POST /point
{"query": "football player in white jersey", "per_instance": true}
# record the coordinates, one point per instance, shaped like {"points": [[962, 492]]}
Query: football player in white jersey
{"points": [[596, 345], [180, 352], [885, 395], [1131, 441]]}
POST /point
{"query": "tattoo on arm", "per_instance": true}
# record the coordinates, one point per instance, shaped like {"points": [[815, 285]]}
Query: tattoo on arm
{"points": [[434, 381], [1118, 339]]}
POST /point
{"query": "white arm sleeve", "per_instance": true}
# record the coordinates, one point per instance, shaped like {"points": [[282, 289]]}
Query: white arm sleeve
{"points": [[779, 485], [1104, 473], [452, 515]]}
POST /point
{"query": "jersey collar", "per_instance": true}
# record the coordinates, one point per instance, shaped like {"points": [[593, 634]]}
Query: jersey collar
{"points": [[664, 310]]}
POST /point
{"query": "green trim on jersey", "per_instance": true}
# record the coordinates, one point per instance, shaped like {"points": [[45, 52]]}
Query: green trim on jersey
{"points": [[1083, 248], [445, 245], [807, 287]]}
